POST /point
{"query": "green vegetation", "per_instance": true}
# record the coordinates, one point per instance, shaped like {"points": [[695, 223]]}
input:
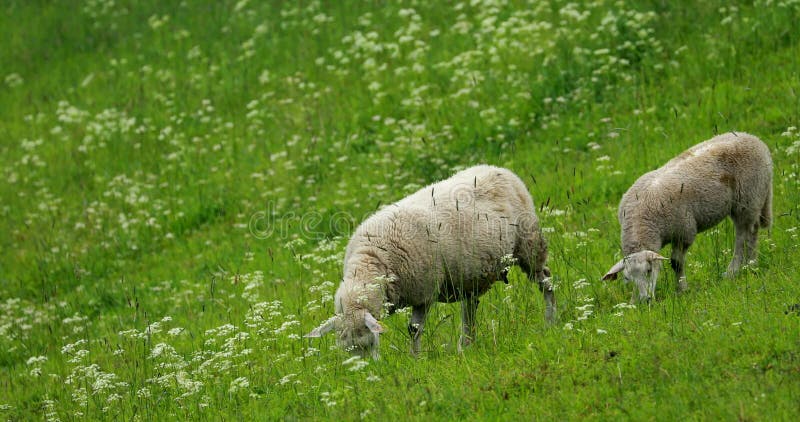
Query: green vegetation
{"points": [[180, 180]]}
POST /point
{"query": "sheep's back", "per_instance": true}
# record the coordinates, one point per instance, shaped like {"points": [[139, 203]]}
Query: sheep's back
{"points": [[706, 183], [451, 232]]}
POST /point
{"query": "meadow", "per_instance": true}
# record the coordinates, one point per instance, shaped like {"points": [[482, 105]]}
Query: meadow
{"points": [[180, 179]]}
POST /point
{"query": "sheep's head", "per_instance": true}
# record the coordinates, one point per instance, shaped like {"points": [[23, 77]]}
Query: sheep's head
{"points": [[358, 332], [642, 268]]}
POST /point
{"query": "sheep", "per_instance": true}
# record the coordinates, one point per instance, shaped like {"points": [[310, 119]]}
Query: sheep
{"points": [[449, 241], [728, 175]]}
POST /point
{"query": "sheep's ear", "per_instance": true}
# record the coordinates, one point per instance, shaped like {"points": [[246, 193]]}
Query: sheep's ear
{"points": [[372, 323], [324, 328], [614, 271], [653, 256]]}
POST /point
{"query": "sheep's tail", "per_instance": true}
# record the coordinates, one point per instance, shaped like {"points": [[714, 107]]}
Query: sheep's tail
{"points": [[765, 220]]}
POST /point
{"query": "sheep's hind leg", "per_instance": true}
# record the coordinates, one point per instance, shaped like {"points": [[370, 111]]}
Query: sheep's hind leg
{"points": [[746, 239], [418, 314], [751, 245], [469, 307]]}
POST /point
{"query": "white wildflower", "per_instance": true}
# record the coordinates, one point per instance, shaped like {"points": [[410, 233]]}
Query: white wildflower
{"points": [[238, 384]]}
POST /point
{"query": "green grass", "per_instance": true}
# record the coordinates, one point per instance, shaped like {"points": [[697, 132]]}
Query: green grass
{"points": [[181, 180]]}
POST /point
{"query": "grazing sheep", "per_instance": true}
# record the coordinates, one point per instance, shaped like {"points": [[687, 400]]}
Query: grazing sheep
{"points": [[728, 175], [447, 242]]}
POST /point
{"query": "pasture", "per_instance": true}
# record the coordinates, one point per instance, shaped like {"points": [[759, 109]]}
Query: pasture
{"points": [[180, 180]]}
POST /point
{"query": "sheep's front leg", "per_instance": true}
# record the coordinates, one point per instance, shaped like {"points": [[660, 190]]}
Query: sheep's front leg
{"points": [[546, 287], [676, 261], [544, 281], [469, 307], [418, 314]]}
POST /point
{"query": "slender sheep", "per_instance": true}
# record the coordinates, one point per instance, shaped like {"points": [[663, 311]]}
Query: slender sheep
{"points": [[728, 175], [447, 242]]}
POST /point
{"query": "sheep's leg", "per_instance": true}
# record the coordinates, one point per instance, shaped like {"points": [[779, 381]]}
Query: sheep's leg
{"points": [[546, 287], [415, 326], [745, 244], [676, 261], [469, 307], [751, 245]]}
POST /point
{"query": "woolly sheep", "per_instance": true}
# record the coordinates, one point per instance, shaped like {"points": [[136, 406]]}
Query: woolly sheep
{"points": [[728, 175], [447, 242]]}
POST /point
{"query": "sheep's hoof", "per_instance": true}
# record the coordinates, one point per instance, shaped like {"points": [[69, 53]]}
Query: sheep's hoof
{"points": [[683, 286], [731, 272]]}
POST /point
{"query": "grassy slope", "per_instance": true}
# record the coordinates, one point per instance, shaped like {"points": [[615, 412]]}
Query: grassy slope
{"points": [[726, 349]]}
